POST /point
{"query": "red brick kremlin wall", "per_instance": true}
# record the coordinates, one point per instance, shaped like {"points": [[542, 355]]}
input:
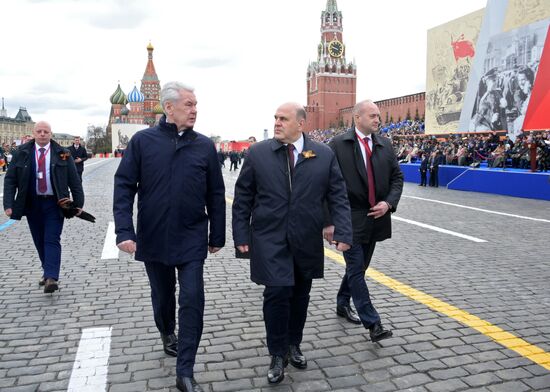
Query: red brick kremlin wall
{"points": [[398, 108]]}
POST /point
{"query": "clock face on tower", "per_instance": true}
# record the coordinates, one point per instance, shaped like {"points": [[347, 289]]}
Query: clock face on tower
{"points": [[335, 48]]}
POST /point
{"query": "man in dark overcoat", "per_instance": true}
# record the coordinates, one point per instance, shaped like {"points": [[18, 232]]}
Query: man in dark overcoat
{"points": [[233, 160], [278, 218], [423, 168], [433, 163], [42, 172], [79, 154], [374, 184], [181, 216]]}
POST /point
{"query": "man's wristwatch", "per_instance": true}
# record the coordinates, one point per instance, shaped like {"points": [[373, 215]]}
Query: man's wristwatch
{"points": [[389, 205]]}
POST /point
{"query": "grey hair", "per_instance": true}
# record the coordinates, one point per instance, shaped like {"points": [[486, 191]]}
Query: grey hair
{"points": [[359, 106], [170, 92], [300, 113]]}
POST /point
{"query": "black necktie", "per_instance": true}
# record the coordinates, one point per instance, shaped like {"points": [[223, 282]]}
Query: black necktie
{"points": [[291, 157]]}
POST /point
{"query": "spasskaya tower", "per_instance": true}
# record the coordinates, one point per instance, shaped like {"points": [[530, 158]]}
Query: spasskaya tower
{"points": [[331, 80]]}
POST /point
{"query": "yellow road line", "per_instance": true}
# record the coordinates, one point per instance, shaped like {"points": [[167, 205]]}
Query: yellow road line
{"points": [[506, 339]]}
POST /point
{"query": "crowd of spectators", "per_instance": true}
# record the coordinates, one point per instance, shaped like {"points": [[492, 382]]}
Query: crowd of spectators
{"points": [[325, 135], [494, 149], [6, 152], [405, 127]]}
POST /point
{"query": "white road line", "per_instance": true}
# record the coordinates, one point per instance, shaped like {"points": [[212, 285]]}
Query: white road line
{"points": [[439, 229], [110, 250], [91, 363], [479, 209]]}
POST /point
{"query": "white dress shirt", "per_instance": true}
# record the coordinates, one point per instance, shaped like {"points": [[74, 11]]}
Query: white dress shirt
{"points": [[298, 148], [362, 146]]}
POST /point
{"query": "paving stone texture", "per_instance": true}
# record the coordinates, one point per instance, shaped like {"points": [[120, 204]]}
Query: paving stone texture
{"points": [[504, 281]]}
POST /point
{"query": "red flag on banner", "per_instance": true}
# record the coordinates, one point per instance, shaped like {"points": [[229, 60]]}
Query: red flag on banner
{"points": [[538, 111]]}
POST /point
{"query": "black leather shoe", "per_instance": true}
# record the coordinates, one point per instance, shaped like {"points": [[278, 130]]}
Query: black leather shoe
{"points": [[187, 384], [42, 281], [276, 372], [377, 332], [296, 358], [347, 312], [170, 344], [50, 285]]}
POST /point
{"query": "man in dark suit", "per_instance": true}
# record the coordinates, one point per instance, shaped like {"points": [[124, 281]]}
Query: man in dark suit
{"points": [[433, 163], [181, 216], [423, 169], [374, 184], [278, 218], [41, 172], [234, 160], [79, 155]]}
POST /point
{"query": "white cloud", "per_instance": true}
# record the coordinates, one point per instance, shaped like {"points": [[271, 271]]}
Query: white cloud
{"points": [[244, 57]]}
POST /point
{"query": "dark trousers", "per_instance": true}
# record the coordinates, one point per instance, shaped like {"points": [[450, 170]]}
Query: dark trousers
{"points": [[423, 177], [46, 224], [354, 284], [233, 166], [79, 171], [285, 313], [434, 177], [162, 279]]}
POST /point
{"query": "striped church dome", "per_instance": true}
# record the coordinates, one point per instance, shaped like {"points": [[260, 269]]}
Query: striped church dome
{"points": [[118, 97], [136, 96]]}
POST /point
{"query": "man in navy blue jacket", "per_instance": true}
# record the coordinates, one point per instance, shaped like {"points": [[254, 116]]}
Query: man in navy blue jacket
{"points": [[278, 217], [181, 216]]}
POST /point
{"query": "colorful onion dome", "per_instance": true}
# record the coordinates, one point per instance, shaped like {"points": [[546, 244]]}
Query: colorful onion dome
{"points": [[136, 96], [150, 46], [124, 111], [158, 109], [118, 97]]}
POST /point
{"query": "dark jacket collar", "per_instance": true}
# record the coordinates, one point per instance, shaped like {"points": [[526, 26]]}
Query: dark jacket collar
{"points": [[171, 127], [275, 144], [350, 135]]}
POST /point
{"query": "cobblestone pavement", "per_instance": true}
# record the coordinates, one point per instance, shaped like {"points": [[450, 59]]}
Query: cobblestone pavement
{"points": [[503, 281]]}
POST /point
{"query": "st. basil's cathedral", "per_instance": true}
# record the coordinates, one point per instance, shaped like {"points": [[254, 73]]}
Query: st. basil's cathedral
{"points": [[144, 104]]}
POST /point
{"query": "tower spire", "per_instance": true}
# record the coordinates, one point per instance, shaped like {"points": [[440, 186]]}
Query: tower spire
{"points": [[150, 73], [332, 6], [3, 112], [150, 88]]}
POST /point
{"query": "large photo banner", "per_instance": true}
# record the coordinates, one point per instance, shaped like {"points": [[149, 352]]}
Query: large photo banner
{"points": [[509, 70], [483, 70], [505, 67], [451, 50]]}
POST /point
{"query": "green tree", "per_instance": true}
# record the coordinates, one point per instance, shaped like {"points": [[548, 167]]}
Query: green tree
{"points": [[97, 141]]}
